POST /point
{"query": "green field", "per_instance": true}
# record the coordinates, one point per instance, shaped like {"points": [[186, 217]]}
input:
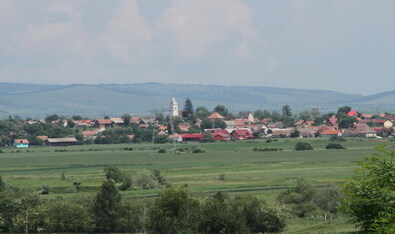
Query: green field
{"points": [[263, 174]]}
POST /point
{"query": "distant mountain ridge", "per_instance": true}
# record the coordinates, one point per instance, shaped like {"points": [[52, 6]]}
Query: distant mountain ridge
{"points": [[39, 100]]}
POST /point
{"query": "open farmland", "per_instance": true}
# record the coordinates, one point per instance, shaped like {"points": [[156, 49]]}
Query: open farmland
{"points": [[233, 167]]}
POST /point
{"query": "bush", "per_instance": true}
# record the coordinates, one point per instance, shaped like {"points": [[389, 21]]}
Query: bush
{"points": [[1, 151], [113, 173], [126, 182], [162, 151], [303, 146], [266, 149], [334, 146], [198, 150], [146, 181], [45, 189]]}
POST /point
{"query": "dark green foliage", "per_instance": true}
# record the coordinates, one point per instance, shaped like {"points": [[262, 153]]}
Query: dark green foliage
{"points": [[347, 121], [198, 150], [126, 182], [77, 186], [219, 124], [52, 117], [173, 211], [63, 176], [328, 198], [334, 146], [2, 185], [370, 197], [126, 119], [60, 216], [208, 137], [262, 217], [206, 124], [287, 111], [295, 134], [266, 149], [44, 189], [105, 207], [202, 112], [161, 139], [303, 146], [222, 110], [162, 181], [146, 180], [218, 215], [188, 108], [299, 198], [132, 216], [162, 151], [113, 173], [343, 110]]}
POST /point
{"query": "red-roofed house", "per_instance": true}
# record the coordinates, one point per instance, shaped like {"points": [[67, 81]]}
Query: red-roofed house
{"points": [[215, 116], [332, 121], [353, 113], [103, 123], [21, 143], [192, 137], [330, 133], [241, 134]]}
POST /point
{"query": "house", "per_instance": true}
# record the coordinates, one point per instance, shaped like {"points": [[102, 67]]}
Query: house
{"points": [[103, 123], [332, 121], [284, 132], [331, 133], [70, 141], [216, 116], [307, 132], [353, 113], [230, 124], [135, 120], [241, 134], [184, 127], [388, 124], [175, 137], [359, 132], [220, 134], [43, 138], [192, 137], [21, 143], [83, 123], [117, 122]]}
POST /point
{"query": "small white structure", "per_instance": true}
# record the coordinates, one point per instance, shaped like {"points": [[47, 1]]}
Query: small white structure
{"points": [[173, 108]]}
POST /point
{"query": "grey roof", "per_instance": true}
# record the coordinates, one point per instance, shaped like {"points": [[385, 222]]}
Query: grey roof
{"points": [[57, 140]]}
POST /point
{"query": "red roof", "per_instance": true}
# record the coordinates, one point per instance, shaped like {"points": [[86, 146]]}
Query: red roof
{"points": [[43, 138], [242, 132], [193, 135], [352, 113], [378, 121], [21, 141], [215, 116], [239, 122], [104, 121], [330, 132]]}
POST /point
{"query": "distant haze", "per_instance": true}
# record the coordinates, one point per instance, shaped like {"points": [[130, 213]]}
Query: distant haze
{"points": [[339, 45]]}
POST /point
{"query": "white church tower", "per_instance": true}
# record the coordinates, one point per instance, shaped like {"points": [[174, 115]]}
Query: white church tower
{"points": [[173, 108]]}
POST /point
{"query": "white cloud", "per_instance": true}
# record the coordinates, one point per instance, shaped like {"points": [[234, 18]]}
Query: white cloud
{"points": [[127, 33], [199, 25]]}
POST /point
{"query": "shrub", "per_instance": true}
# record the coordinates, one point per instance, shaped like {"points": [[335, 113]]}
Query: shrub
{"points": [[266, 149], [146, 181], [126, 182], [162, 151], [303, 146], [198, 150], [45, 189], [1, 151], [113, 173], [334, 146]]}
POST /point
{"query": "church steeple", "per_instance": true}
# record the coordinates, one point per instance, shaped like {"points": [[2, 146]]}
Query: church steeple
{"points": [[173, 107]]}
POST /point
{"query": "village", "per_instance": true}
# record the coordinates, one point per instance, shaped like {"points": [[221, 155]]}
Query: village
{"points": [[202, 126]]}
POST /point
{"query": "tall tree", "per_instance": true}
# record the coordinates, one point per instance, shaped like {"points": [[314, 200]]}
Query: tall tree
{"points": [[188, 107], [370, 195], [315, 113], [126, 119], [222, 110], [105, 207], [202, 112], [287, 111], [2, 184]]}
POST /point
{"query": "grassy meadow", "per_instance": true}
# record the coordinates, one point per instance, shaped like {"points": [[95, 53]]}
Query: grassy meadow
{"points": [[225, 166]]}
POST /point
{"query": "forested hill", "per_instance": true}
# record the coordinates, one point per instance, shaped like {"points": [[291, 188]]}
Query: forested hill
{"points": [[36, 100]]}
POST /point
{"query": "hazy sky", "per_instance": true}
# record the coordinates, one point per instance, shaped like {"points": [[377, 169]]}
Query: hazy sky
{"points": [[338, 45]]}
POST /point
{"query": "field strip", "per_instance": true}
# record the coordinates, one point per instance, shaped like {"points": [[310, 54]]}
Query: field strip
{"points": [[261, 171]]}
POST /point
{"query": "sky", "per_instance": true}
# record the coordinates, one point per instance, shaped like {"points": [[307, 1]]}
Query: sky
{"points": [[340, 45]]}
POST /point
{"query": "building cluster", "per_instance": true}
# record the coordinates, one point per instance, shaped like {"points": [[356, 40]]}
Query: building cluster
{"points": [[242, 128]]}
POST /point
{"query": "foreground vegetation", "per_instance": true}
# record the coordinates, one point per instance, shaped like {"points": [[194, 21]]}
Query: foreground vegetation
{"points": [[76, 174]]}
